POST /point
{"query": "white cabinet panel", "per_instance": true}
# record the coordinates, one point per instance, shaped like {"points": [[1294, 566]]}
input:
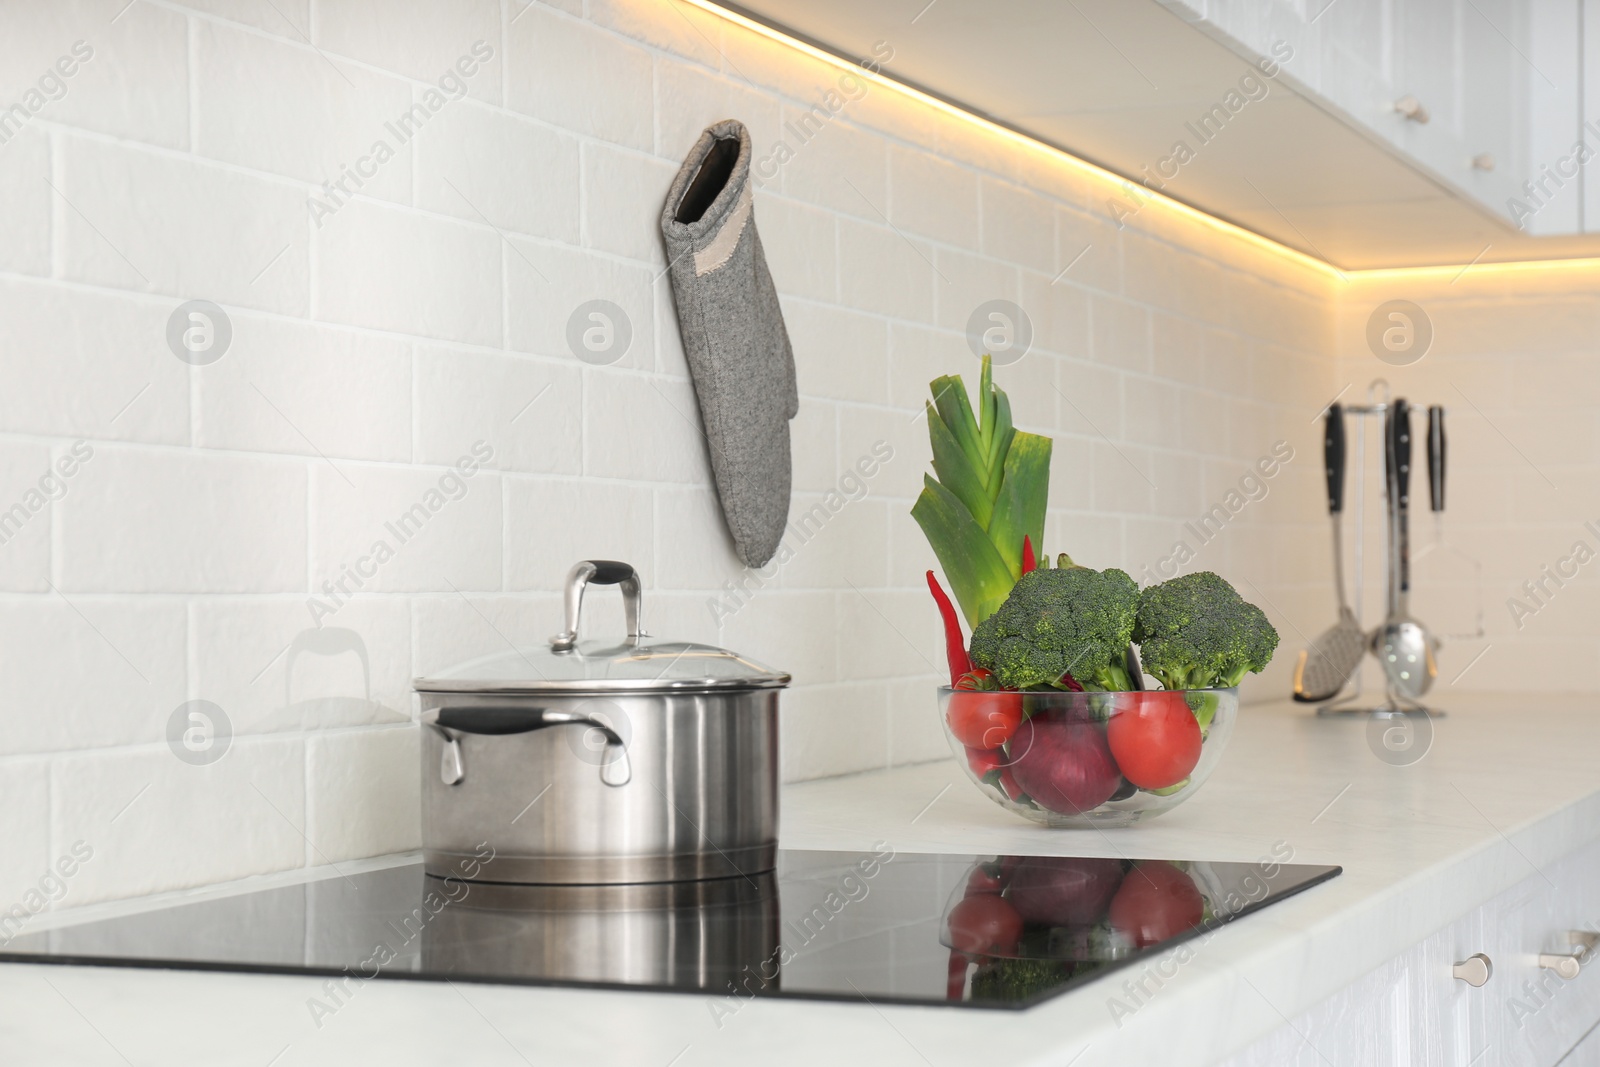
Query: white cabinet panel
{"points": [[1411, 1011]]}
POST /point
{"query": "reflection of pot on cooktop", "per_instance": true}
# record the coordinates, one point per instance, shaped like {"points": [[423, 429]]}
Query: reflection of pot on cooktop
{"points": [[687, 935]]}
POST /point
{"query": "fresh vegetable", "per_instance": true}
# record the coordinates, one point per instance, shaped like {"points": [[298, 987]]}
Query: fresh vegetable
{"points": [[1156, 901], [1010, 981], [1056, 622], [992, 487], [985, 878], [1196, 632], [984, 924], [1064, 766], [1028, 562], [1154, 738], [955, 647], [1064, 890], [986, 720], [985, 761]]}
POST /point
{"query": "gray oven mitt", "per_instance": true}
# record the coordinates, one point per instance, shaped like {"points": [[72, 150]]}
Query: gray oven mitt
{"points": [[733, 336]]}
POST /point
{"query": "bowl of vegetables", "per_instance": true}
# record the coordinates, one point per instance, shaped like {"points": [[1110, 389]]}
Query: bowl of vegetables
{"points": [[1049, 709], [1068, 759]]}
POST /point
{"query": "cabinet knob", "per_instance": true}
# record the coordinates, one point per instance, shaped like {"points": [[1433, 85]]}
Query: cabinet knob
{"points": [[1483, 161], [1411, 108], [1474, 970], [1568, 964]]}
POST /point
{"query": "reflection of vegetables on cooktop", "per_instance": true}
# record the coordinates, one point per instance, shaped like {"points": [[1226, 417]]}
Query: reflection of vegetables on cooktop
{"points": [[1030, 923]]}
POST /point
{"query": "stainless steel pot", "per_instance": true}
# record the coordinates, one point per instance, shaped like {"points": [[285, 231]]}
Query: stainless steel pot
{"points": [[599, 763]]}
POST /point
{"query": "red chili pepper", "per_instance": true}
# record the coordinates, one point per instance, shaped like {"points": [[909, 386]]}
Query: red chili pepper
{"points": [[985, 761], [1070, 683], [955, 646], [956, 977], [1028, 562]]}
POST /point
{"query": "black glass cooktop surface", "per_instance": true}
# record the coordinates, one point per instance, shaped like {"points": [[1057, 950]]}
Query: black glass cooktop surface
{"points": [[971, 931]]}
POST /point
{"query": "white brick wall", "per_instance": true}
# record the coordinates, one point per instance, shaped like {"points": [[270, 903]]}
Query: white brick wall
{"points": [[374, 345]]}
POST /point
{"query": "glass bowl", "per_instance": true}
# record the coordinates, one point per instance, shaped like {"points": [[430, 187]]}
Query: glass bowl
{"points": [[1088, 759]]}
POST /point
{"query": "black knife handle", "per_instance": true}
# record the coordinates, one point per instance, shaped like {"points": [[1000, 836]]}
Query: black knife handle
{"points": [[1400, 427], [1333, 457], [1436, 456]]}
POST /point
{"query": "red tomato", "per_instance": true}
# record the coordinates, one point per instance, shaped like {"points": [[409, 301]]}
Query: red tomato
{"points": [[983, 720], [1155, 901], [1154, 737], [983, 879], [985, 925]]}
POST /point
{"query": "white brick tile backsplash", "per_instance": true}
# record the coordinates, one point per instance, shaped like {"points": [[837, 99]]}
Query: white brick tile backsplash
{"points": [[156, 823], [932, 198], [200, 231], [623, 195], [529, 411], [285, 664], [29, 484], [25, 190], [568, 73], [841, 167], [477, 164], [689, 99], [390, 269], [546, 285], [455, 628], [93, 672], [799, 243], [89, 364], [643, 427], [427, 42], [154, 521], [363, 794], [376, 339], [403, 529], [550, 526], [286, 387], [24, 837], [321, 120], [885, 272], [129, 75]]}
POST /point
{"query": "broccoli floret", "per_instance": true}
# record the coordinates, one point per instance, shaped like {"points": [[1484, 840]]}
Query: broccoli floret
{"points": [[1010, 980], [1061, 621], [1196, 632]]}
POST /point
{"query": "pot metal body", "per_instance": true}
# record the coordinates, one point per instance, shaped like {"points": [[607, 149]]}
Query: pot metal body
{"points": [[696, 796]]}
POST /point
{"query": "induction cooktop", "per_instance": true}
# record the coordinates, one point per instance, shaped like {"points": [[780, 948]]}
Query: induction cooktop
{"points": [[884, 926]]}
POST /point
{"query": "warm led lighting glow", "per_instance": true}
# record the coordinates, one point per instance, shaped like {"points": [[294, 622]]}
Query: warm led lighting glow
{"points": [[1157, 200]]}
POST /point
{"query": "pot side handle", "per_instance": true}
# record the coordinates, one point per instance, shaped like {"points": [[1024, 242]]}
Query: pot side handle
{"points": [[501, 720]]}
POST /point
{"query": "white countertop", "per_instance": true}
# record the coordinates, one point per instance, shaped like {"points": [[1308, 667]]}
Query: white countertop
{"points": [[1510, 785]]}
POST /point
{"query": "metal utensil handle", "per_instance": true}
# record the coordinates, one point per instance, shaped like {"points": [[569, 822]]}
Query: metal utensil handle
{"points": [[1333, 455], [1402, 479], [599, 572], [1436, 456]]}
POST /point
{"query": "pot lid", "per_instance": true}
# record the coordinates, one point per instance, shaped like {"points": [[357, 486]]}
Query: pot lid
{"points": [[638, 663]]}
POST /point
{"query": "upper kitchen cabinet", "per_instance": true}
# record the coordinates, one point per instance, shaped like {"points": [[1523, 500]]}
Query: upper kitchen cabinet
{"points": [[1365, 133], [1485, 96]]}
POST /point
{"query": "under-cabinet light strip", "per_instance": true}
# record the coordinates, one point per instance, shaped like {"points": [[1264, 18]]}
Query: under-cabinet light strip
{"points": [[1117, 181]]}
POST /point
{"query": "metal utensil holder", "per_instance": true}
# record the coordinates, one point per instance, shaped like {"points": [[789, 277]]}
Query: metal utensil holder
{"points": [[1394, 704]]}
